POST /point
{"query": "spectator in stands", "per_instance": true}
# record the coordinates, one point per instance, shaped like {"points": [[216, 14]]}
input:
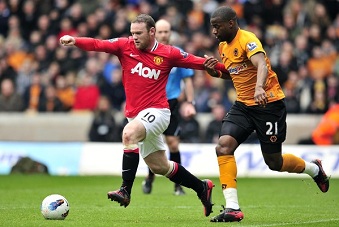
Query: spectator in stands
{"points": [[15, 50], [332, 83], [45, 27], [4, 17], [304, 88], [41, 57], [87, 94], [65, 93], [320, 17], [103, 127], [110, 82], [24, 75], [327, 130], [33, 93], [214, 126], [66, 28], [50, 101], [286, 63], [333, 35], [291, 93], [320, 65], [319, 103], [201, 92], [6, 71], [301, 50], [76, 14], [29, 18], [10, 101], [190, 127]]}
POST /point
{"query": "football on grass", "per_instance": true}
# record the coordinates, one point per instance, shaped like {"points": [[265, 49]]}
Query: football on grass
{"points": [[54, 207]]}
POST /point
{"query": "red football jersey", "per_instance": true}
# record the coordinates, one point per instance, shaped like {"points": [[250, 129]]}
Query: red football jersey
{"points": [[144, 72]]}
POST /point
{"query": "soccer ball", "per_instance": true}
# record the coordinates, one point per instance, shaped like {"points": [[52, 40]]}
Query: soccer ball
{"points": [[54, 207]]}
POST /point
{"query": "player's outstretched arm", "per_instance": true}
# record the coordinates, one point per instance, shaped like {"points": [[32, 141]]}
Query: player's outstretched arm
{"points": [[90, 44], [186, 60], [67, 40]]}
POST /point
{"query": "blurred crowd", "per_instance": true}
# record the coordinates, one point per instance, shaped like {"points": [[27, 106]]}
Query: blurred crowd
{"points": [[38, 75]]}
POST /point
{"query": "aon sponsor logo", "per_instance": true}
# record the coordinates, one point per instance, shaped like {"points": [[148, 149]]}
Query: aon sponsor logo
{"points": [[145, 71]]}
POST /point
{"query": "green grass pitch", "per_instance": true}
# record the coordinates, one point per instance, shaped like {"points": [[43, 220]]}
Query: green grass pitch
{"points": [[264, 201]]}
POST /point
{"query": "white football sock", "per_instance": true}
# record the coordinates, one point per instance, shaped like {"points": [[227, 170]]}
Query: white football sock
{"points": [[231, 197], [311, 169]]}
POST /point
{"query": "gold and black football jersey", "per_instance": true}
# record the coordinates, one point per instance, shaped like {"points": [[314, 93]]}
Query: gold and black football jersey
{"points": [[236, 58]]}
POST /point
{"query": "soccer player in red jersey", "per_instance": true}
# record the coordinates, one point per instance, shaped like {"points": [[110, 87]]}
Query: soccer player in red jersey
{"points": [[146, 65], [173, 91]]}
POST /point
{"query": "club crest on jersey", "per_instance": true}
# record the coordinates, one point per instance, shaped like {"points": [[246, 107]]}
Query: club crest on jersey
{"points": [[113, 40], [184, 54], [252, 46], [158, 60], [273, 139], [236, 52]]}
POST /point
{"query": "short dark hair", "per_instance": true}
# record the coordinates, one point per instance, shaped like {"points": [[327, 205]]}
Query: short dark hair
{"points": [[145, 18], [225, 13]]}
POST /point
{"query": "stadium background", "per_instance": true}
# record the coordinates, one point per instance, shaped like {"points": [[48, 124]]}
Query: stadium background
{"points": [[300, 37]]}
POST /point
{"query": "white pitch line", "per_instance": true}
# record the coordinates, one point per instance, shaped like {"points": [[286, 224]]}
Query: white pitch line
{"points": [[292, 223]]}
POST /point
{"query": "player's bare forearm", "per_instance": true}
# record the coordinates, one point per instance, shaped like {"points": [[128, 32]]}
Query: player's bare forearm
{"points": [[260, 95], [258, 60], [261, 75]]}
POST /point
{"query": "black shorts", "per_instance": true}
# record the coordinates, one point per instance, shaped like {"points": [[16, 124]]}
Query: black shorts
{"points": [[173, 128], [269, 122]]}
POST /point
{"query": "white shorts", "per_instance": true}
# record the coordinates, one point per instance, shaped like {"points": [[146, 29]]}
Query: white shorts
{"points": [[155, 122]]}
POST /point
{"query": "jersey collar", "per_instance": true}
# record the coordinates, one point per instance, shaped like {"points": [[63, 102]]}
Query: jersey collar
{"points": [[155, 46]]}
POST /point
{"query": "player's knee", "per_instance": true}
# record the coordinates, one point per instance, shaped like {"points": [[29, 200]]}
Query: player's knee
{"points": [[223, 150], [274, 160], [226, 145], [128, 137], [274, 165]]}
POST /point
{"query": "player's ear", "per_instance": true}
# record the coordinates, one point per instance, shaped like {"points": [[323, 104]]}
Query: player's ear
{"points": [[230, 24], [152, 31]]}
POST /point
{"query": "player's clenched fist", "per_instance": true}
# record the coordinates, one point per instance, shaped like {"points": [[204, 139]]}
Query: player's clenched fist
{"points": [[67, 40]]}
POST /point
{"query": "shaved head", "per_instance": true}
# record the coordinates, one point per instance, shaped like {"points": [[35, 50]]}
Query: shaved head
{"points": [[224, 23], [163, 31], [163, 23], [225, 13]]}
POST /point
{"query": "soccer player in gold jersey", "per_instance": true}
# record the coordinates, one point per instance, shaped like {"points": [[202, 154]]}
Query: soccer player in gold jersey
{"points": [[259, 106]]}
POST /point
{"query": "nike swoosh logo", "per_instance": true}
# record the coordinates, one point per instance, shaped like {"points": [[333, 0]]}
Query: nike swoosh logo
{"points": [[125, 170], [134, 55]]}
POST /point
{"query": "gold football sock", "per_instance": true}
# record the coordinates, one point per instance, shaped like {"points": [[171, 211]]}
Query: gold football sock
{"points": [[227, 171], [292, 164]]}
